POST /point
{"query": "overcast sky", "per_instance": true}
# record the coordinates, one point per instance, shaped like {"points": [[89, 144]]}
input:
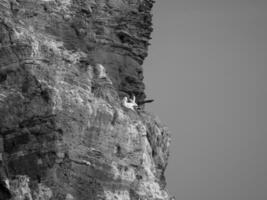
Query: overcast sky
{"points": [[206, 70]]}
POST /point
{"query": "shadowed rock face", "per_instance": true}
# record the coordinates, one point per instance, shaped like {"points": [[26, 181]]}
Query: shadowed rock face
{"points": [[64, 133]]}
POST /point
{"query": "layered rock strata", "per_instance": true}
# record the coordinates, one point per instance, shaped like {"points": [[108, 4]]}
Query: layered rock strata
{"points": [[64, 134]]}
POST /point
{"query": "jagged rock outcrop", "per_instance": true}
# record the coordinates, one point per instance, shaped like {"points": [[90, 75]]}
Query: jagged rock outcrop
{"points": [[64, 133]]}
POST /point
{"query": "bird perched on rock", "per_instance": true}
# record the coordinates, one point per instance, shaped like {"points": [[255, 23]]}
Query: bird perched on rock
{"points": [[101, 73], [129, 104], [102, 86]]}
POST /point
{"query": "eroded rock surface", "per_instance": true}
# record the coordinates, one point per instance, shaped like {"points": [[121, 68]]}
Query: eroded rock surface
{"points": [[64, 133]]}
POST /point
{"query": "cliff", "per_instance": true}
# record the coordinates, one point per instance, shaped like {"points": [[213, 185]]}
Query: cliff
{"points": [[65, 66]]}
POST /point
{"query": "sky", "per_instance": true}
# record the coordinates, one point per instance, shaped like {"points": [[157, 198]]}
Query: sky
{"points": [[206, 70]]}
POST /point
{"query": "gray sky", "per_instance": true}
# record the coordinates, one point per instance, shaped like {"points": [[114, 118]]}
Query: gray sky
{"points": [[207, 72]]}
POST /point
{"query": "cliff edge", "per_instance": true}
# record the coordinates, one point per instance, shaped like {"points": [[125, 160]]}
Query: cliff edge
{"points": [[65, 66]]}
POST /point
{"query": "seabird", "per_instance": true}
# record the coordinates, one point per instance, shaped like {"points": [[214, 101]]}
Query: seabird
{"points": [[129, 104]]}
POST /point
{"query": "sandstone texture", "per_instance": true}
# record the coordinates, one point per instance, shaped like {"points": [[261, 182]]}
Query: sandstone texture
{"points": [[64, 134]]}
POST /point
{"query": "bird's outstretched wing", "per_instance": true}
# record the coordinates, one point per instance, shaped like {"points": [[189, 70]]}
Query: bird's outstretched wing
{"points": [[145, 101]]}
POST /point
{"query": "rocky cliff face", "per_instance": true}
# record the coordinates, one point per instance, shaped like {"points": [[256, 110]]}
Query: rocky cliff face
{"points": [[64, 134]]}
